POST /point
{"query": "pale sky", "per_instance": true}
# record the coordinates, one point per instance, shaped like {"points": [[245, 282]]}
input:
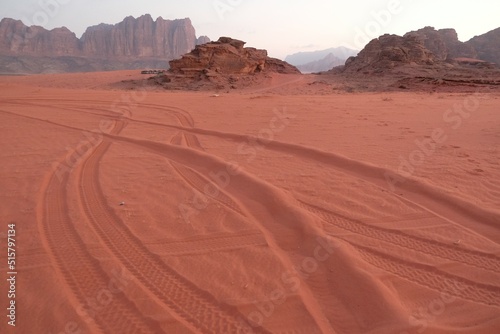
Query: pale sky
{"points": [[281, 27]]}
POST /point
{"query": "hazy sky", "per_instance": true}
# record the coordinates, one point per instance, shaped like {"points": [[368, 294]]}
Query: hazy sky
{"points": [[281, 27]]}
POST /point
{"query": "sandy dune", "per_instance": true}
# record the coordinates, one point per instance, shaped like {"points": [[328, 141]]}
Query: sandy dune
{"points": [[259, 211]]}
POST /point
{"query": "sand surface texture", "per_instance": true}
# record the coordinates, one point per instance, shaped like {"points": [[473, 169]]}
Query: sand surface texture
{"points": [[260, 211]]}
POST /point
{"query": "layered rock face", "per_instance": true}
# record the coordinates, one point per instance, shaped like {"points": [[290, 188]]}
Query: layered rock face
{"points": [[18, 39], [128, 41], [141, 37], [225, 57], [444, 43]]}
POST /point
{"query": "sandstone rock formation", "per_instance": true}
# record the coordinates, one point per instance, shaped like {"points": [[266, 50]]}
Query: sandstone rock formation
{"points": [[225, 62], [18, 39], [389, 51], [426, 46], [227, 56], [444, 43], [141, 37], [132, 40], [427, 59]]}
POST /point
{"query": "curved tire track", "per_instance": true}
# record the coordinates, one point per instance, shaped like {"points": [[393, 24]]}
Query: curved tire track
{"points": [[476, 259], [195, 306], [82, 272], [432, 278]]}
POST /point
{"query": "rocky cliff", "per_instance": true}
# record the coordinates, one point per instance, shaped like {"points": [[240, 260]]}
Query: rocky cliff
{"points": [[123, 43], [16, 39], [444, 43], [141, 37]]}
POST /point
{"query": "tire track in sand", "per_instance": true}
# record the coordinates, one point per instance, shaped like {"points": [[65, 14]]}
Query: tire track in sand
{"points": [[194, 306], [198, 181], [432, 278], [473, 258], [421, 274], [83, 273]]}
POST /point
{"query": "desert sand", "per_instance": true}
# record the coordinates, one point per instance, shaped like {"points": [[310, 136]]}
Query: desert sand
{"points": [[284, 208]]}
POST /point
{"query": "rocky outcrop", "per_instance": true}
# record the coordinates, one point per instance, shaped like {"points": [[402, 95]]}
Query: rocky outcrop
{"points": [[124, 43], [225, 57], [389, 51], [444, 43], [426, 46], [487, 46], [222, 64]]}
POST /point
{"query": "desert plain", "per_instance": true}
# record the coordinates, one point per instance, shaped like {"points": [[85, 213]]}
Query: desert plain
{"points": [[290, 207]]}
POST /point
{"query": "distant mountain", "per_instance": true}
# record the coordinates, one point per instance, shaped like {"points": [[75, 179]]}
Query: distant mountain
{"points": [[303, 58], [130, 43], [325, 64], [487, 46]]}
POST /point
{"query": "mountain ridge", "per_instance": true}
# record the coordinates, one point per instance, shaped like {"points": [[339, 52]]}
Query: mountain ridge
{"points": [[131, 40]]}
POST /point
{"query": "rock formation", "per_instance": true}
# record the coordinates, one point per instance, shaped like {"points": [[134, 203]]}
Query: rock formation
{"points": [[444, 43], [18, 39], [389, 51], [132, 40], [222, 63], [227, 56], [141, 37], [426, 46]]}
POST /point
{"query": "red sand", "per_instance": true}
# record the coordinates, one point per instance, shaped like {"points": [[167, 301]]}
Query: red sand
{"points": [[260, 211]]}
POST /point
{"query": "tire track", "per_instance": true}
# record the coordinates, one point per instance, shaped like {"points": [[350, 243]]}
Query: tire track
{"points": [[206, 187], [83, 273], [196, 180], [476, 259], [468, 214], [195, 306], [432, 278]]}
